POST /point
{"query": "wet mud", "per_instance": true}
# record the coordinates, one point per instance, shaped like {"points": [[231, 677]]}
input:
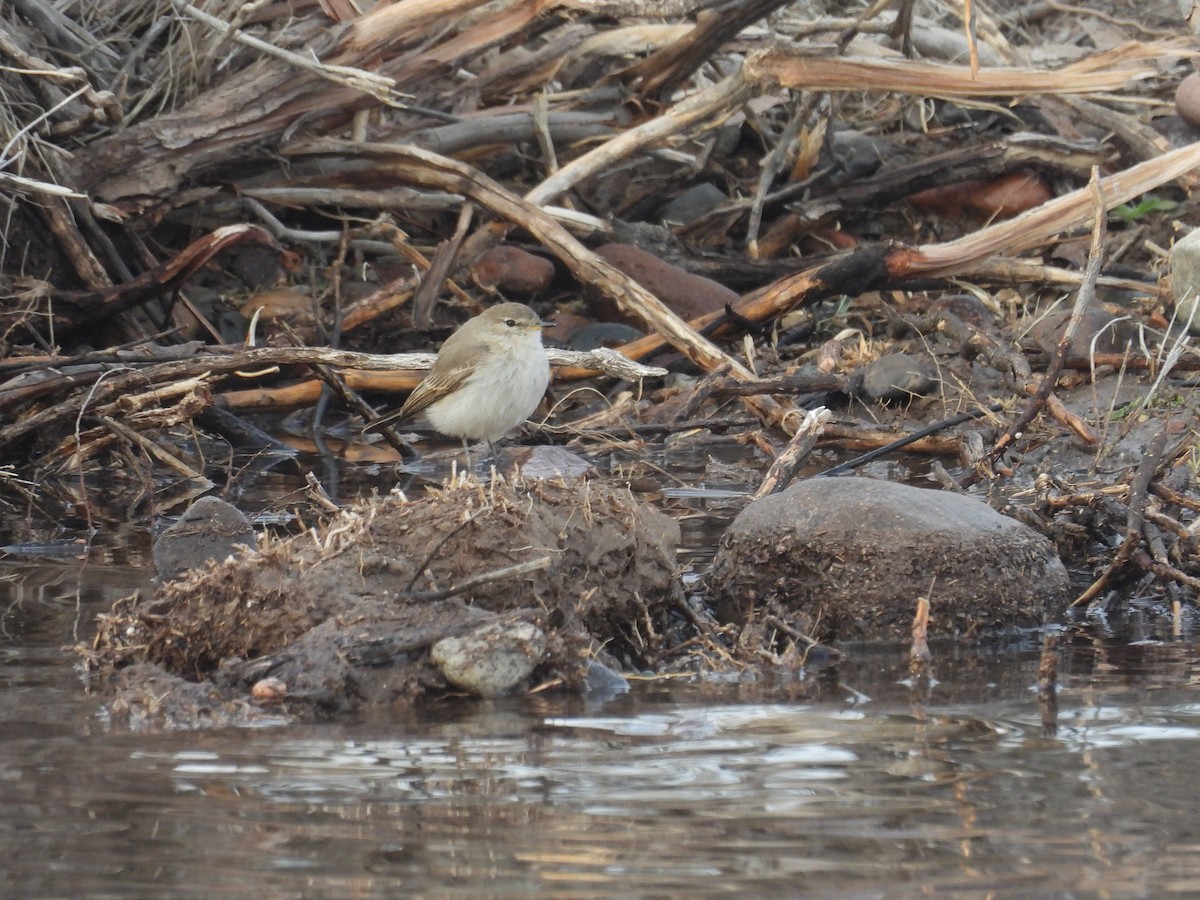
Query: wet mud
{"points": [[345, 616]]}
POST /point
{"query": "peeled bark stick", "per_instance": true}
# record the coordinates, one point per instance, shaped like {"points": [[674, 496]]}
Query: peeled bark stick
{"points": [[787, 463], [723, 97], [873, 266], [405, 372], [1108, 70], [125, 378], [767, 70], [663, 71], [421, 167]]}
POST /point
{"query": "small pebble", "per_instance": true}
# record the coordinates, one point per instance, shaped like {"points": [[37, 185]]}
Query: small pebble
{"points": [[513, 271], [603, 334], [490, 661], [1185, 278], [690, 296], [692, 204], [897, 377], [269, 690], [1187, 99]]}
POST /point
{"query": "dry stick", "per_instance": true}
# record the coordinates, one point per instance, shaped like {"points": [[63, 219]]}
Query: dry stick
{"points": [[810, 643], [766, 71], [533, 565], [223, 361], [1119, 360], [404, 372], [150, 447], [861, 437], [351, 400], [1168, 572], [701, 392], [1087, 293], [1047, 682], [378, 86], [430, 170], [874, 265], [439, 268], [1133, 520], [720, 99], [437, 548], [77, 308], [919, 656], [773, 165], [780, 384], [1172, 496], [899, 444], [661, 72], [787, 463], [978, 161]]}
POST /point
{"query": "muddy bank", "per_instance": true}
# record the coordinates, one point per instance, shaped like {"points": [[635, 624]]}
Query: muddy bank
{"points": [[346, 616], [803, 231], [483, 589]]}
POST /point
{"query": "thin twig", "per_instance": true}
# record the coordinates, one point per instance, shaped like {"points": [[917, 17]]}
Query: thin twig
{"points": [[1084, 299], [437, 548], [1138, 490], [524, 568]]}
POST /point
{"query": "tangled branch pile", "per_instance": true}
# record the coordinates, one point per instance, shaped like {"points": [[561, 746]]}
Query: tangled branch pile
{"points": [[180, 175]]}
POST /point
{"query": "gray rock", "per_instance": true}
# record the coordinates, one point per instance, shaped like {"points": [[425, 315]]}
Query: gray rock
{"points": [[1098, 330], [696, 201], [1187, 313], [554, 462], [603, 334], [897, 377], [856, 155], [209, 529], [491, 660], [603, 683], [968, 308], [847, 558], [1185, 278]]}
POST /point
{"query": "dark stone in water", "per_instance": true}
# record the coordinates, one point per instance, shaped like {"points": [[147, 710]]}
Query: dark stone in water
{"points": [[603, 683], [847, 558], [211, 529]]}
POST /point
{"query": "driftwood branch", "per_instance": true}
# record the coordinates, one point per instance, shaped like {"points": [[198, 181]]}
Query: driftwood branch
{"points": [[427, 169], [214, 365]]}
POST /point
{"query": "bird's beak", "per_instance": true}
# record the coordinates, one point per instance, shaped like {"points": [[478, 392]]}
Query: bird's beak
{"points": [[545, 324]]}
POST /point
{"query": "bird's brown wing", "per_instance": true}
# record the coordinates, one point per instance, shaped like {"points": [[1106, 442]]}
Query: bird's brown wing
{"points": [[437, 384]]}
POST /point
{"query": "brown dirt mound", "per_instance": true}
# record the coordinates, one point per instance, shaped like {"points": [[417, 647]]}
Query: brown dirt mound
{"points": [[345, 616]]}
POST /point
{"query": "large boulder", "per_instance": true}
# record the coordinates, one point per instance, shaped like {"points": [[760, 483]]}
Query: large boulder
{"points": [[847, 558], [210, 529]]}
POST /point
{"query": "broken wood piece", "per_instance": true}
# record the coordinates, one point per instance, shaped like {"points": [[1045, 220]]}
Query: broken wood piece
{"points": [[788, 462]]}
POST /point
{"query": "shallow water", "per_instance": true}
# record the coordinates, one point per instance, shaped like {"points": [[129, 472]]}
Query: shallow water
{"points": [[846, 783]]}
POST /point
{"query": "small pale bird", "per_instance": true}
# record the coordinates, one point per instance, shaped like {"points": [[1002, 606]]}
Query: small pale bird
{"points": [[487, 379]]}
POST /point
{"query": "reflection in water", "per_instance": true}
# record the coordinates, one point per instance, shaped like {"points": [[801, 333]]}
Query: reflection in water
{"points": [[845, 784]]}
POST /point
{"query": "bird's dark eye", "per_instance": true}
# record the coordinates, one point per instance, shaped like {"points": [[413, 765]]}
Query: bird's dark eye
{"points": [[511, 323]]}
